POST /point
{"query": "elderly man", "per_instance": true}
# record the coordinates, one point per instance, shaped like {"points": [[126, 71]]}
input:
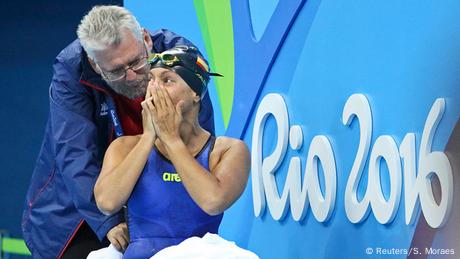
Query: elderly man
{"points": [[98, 84]]}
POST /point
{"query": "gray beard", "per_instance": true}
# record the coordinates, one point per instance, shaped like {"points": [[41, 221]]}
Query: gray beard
{"points": [[132, 89]]}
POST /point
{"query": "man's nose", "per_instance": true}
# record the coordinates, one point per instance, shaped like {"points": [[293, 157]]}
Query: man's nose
{"points": [[130, 74]]}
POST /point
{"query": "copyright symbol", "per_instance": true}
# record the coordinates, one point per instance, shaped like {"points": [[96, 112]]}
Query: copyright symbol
{"points": [[369, 250]]}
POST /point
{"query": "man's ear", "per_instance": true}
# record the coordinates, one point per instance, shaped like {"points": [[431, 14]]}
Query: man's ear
{"points": [[94, 66], [147, 39]]}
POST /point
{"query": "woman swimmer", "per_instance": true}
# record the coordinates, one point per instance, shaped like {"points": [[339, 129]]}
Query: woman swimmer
{"points": [[176, 178]]}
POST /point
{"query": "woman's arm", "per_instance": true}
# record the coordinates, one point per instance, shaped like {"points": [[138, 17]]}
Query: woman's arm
{"points": [[123, 164], [217, 190]]}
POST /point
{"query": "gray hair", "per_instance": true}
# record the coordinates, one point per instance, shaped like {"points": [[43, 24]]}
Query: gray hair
{"points": [[103, 26]]}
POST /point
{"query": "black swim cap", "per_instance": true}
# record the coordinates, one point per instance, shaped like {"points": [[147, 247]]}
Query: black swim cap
{"points": [[187, 62]]}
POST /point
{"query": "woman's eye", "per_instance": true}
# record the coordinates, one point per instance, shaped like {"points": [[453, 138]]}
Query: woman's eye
{"points": [[168, 81]]}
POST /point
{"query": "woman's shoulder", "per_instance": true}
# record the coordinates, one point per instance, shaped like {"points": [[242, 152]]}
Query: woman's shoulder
{"points": [[223, 144], [228, 151], [228, 141]]}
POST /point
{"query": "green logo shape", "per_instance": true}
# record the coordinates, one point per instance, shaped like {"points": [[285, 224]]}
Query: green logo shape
{"points": [[215, 19]]}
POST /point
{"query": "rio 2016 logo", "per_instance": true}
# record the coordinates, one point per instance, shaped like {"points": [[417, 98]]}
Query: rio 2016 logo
{"points": [[402, 165]]}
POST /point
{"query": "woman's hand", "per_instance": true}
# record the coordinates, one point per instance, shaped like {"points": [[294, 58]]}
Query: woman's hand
{"points": [[166, 117], [147, 122]]}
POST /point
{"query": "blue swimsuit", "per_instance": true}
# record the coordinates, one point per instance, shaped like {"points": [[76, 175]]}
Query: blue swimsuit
{"points": [[161, 213]]}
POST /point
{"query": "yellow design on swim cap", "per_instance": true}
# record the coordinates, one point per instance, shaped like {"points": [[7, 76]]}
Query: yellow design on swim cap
{"points": [[201, 63]]}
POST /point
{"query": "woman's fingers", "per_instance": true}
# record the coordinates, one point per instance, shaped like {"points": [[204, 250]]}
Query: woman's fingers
{"points": [[156, 98], [147, 100], [167, 98], [160, 98], [148, 105], [148, 94]]}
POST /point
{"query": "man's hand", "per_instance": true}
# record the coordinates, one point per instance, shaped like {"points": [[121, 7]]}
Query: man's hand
{"points": [[119, 237]]}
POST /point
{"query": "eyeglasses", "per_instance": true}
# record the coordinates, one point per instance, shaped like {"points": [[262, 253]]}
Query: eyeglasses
{"points": [[119, 74]]}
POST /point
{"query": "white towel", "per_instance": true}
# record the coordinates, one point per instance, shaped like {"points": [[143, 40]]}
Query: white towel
{"points": [[109, 252], [211, 246]]}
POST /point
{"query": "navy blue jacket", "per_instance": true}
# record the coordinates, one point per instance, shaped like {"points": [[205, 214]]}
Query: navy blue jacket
{"points": [[79, 129]]}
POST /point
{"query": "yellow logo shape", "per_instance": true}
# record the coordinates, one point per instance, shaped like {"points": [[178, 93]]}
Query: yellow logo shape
{"points": [[171, 177]]}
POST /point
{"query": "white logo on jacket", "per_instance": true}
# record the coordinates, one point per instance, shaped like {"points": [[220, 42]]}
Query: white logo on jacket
{"points": [[104, 109]]}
